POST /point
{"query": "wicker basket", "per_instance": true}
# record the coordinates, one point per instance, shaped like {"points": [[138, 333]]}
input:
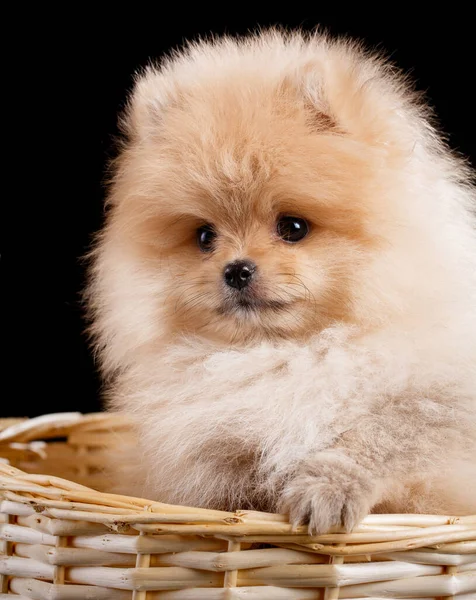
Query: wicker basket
{"points": [[63, 540]]}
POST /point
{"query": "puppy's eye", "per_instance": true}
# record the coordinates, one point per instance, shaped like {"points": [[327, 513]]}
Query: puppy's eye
{"points": [[206, 236], [292, 229]]}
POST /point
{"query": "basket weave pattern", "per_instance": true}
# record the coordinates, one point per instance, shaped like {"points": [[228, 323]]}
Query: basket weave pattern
{"points": [[63, 540]]}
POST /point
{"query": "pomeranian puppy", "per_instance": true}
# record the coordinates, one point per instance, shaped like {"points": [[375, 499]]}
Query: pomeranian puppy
{"points": [[284, 293]]}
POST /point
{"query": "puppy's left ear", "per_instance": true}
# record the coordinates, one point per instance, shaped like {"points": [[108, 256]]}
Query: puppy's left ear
{"points": [[306, 84], [360, 95]]}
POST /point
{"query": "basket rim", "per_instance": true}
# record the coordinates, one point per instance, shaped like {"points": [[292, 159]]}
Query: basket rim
{"points": [[56, 498]]}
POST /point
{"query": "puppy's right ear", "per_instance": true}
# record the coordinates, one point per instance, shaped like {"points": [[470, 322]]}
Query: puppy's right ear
{"points": [[143, 115]]}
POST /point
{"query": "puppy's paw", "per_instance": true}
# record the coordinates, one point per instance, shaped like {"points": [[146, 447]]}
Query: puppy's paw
{"points": [[329, 490]]}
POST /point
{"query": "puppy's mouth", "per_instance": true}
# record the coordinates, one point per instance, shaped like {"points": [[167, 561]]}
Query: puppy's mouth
{"points": [[248, 304]]}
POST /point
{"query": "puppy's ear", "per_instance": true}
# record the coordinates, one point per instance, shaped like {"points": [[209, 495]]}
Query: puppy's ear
{"points": [[307, 86], [321, 115], [148, 100], [360, 95]]}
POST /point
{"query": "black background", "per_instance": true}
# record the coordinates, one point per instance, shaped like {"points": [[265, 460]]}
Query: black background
{"points": [[70, 83]]}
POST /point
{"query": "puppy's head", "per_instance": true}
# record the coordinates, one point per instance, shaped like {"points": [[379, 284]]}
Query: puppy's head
{"points": [[258, 179]]}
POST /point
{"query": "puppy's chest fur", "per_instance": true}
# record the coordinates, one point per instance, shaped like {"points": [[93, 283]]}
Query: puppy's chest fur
{"points": [[225, 431]]}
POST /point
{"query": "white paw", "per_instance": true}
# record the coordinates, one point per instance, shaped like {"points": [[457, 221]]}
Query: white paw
{"points": [[328, 491]]}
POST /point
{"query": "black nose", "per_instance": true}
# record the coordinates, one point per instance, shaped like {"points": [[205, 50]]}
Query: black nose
{"points": [[238, 274]]}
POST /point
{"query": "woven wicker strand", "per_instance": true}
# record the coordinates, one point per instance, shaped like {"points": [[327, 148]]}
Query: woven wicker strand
{"points": [[63, 538]]}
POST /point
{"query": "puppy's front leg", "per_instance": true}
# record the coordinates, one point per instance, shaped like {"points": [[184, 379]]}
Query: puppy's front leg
{"points": [[330, 489], [339, 486]]}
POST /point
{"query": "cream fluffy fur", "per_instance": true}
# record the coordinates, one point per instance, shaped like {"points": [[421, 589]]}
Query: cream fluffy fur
{"points": [[359, 393]]}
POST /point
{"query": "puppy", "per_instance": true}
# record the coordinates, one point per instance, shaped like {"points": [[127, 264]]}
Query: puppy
{"points": [[284, 294]]}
